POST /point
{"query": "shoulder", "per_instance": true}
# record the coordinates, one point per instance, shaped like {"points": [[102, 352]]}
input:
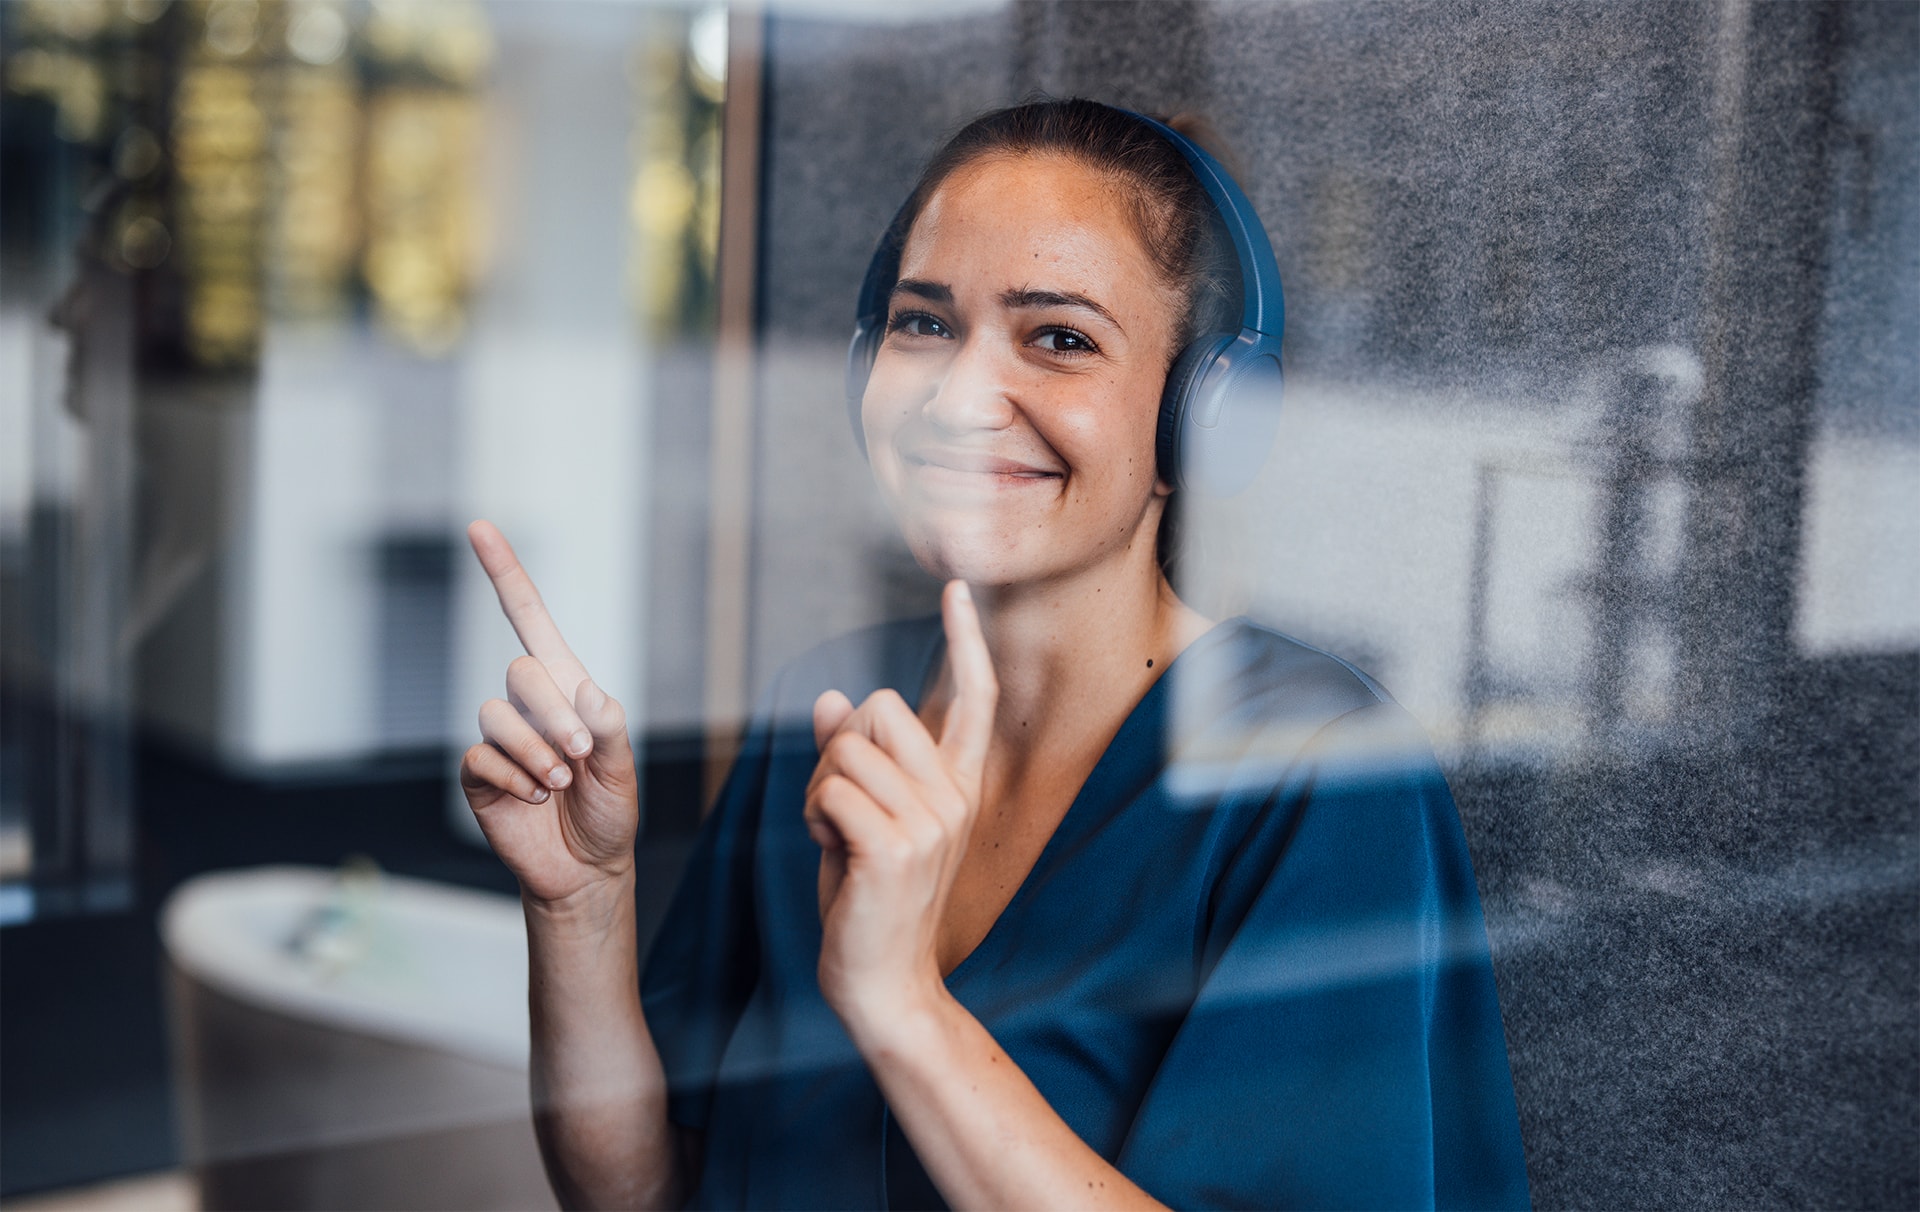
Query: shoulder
{"points": [[1256, 706], [1272, 672]]}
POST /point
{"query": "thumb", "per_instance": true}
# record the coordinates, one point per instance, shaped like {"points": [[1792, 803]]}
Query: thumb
{"points": [[968, 730], [830, 711]]}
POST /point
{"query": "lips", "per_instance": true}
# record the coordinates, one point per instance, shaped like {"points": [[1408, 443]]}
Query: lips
{"points": [[940, 459]]}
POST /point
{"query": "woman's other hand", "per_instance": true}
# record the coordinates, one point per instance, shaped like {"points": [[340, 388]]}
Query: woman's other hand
{"points": [[892, 808], [553, 783]]}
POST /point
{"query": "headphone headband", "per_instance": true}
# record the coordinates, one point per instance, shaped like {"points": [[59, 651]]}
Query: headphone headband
{"points": [[1264, 308]]}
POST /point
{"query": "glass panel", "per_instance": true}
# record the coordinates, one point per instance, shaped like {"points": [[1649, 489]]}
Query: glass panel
{"points": [[1599, 450]]}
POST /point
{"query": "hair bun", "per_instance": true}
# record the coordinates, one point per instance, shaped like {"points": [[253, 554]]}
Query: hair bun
{"points": [[1200, 128]]}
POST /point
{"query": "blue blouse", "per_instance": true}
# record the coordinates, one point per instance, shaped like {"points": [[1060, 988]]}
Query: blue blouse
{"points": [[1249, 968]]}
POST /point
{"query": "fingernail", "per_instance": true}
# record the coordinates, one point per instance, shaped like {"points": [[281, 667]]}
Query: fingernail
{"points": [[579, 743], [558, 776], [539, 795], [965, 593]]}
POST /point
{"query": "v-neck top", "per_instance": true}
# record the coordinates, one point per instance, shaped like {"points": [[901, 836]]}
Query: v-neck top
{"points": [[1249, 968]]}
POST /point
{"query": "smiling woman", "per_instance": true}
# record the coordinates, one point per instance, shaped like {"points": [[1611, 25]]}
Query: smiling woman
{"points": [[1070, 897]]}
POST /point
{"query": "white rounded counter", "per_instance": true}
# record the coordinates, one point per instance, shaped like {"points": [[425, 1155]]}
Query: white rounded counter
{"points": [[351, 1040]]}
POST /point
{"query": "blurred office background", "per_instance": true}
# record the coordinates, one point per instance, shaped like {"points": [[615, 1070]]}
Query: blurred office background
{"points": [[1601, 448]]}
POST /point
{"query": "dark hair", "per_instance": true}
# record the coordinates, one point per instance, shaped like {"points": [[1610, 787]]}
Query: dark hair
{"points": [[1176, 220]]}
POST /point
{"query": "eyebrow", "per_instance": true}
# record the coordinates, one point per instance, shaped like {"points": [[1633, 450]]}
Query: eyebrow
{"points": [[1028, 298], [932, 292], [1024, 298]]}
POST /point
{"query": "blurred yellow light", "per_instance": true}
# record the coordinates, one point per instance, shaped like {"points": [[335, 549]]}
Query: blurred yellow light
{"points": [[145, 242], [450, 38], [223, 321], [233, 27], [422, 145], [317, 34], [136, 153], [144, 12], [663, 197], [78, 20], [74, 83], [314, 232]]}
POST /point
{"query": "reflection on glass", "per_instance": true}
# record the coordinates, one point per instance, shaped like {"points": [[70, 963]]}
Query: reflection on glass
{"points": [[419, 253], [220, 143], [679, 80]]}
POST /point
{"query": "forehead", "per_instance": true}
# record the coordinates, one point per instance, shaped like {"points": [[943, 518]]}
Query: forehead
{"points": [[1031, 220]]}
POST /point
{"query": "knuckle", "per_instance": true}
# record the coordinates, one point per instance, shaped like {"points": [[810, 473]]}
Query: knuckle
{"points": [[923, 839], [473, 766], [614, 714], [522, 668], [847, 792], [939, 834], [834, 789], [532, 752], [950, 806], [844, 747], [888, 705]]}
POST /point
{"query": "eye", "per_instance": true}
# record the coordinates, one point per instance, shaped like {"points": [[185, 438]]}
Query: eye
{"points": [[1065, 341], [917, 324]]}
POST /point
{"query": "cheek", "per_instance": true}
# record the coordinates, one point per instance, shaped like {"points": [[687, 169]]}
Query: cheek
{"points": [[1109, 440], [882, 413]]}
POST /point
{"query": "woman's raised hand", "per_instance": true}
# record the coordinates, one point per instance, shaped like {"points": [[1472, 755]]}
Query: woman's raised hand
{"points": [[553, 784], [892, 808]]}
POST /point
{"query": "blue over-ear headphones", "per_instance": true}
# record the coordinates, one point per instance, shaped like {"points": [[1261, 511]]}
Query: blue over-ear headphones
{"points": [[1221, 406]]}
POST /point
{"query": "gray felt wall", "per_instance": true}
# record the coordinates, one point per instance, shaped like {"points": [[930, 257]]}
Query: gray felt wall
{"points": [[1602, 449]]}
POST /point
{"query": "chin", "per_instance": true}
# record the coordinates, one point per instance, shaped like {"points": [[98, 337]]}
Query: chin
{"points": [[972, 551], [1027, 556], [947, 561]]}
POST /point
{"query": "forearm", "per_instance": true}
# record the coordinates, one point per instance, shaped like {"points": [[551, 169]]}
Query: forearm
{"points": [[599, 1092], [985, 1134]]}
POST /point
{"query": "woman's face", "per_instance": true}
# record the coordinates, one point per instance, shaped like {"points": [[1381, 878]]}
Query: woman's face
{"points": [[1010, 414]]}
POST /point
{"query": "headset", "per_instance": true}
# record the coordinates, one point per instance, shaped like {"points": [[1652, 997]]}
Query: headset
{"points": [[1221, 407]]}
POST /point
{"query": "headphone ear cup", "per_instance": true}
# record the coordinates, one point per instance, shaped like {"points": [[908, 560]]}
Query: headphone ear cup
{"points": [[1176, 402], [860, 354]]}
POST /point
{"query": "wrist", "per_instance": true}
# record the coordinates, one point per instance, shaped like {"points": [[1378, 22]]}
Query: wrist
{"points": [[907, 1022], [593, 908]]}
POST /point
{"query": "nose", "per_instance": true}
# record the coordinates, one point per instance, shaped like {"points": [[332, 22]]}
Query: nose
{"points": [[975, 389]]}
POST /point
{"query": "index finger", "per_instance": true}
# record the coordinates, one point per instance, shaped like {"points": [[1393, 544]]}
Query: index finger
{"points": [[968, 729], [518, 598]]}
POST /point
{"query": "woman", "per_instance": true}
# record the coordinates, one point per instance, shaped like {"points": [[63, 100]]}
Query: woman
{"points": [[1089, 900]]}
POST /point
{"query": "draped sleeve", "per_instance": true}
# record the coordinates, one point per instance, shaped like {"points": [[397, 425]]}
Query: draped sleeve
{"points": [[1344, 1048], [705, 959]]}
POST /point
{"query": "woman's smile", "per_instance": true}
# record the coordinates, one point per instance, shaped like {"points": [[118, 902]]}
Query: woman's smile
{"points": [[974, 469]]}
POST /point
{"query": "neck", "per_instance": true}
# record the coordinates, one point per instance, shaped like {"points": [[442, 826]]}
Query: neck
{"points": [[1074, 655]]}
